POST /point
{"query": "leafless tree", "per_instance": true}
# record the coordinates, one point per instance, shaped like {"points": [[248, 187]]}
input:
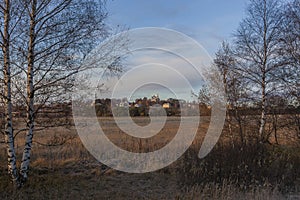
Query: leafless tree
{"points": [[50, 40], [5, 34], [10, 17], [56, 35], [259, 55]]}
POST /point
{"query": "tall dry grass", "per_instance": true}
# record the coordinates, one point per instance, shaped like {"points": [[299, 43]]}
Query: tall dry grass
{"points": [[61, 168]]}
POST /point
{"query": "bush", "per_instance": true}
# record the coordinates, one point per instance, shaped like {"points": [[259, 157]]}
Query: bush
{"points": [[247, 167]]}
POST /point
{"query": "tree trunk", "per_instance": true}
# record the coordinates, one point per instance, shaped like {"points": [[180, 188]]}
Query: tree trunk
{"points": [[263, 78], [263, 113], [30, 97], [9, 137]]}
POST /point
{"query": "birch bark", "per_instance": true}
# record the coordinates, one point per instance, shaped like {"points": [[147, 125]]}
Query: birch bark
{"points": [[9, 135], [30, 96]]}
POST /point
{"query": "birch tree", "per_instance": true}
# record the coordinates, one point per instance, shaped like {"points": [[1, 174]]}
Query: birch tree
{"points": [[47, 41], [5, 42], [56, 36], [11, 15], [259, 56]]}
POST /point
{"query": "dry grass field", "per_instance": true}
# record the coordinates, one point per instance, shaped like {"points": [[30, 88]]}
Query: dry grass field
{"points": [[61, 168]]}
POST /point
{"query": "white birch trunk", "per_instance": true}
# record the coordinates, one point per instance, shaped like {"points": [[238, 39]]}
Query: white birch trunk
{"points": [[263, 78], [9, 137], [263, 114], [30, 97]]}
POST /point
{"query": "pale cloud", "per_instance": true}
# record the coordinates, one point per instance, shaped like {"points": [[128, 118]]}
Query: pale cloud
{"points": [[162, 57]]}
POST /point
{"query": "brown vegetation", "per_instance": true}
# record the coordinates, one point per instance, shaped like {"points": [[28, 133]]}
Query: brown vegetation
{"points": [[63, 169]]}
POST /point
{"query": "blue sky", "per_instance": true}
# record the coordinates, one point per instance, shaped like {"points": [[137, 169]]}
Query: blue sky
{"points": [[207, 21]]}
